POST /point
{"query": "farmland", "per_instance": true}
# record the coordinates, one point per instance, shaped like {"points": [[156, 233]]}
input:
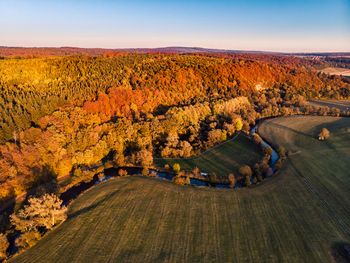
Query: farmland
{"points": [[222, 159], [337, 71], [295, 217]]}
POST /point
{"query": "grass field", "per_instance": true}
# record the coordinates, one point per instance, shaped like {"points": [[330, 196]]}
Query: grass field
{"points": [[337, 71], [296, 216], [222, 159]]}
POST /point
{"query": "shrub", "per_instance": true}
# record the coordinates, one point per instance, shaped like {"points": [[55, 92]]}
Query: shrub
{"points": [[324, 134], [4, 244], [176, 168]]}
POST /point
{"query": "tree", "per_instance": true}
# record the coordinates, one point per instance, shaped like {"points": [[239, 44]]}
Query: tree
{"points": [[247, 181], [324, 134], [145, 171], [257, 139], [246, 171], [144, 158], [282, 152], [122, 172], [45, 211], [4, 244], [176, 168], [196, 172], [238, 124], [232, 180], [27, 239], [268, 151], [185, 149]]}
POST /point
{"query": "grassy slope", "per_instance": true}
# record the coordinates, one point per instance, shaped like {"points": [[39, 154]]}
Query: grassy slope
{"points": [[295, 217], [222, 159]]}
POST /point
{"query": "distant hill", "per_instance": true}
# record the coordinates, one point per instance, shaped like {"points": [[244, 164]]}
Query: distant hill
{"points": [[66, 51]]}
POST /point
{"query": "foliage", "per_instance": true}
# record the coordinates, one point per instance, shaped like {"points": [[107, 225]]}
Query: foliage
{"points": [[45, 211], [324, 134], [28, 239], [4, 244], [232, 180], [245, 170], [176, 168]]}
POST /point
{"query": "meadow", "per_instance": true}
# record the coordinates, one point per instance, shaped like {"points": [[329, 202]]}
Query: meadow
{"points": [[222, 159], [296, 216]]}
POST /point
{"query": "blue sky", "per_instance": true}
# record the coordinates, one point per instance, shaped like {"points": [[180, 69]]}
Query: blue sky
{"points": [[308, 25]]}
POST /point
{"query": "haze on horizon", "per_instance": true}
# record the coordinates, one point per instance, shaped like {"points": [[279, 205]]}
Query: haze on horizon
{"points": [[291, 26]]}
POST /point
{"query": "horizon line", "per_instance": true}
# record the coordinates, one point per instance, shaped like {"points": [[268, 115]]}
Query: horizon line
{"points": [[205, 49]]}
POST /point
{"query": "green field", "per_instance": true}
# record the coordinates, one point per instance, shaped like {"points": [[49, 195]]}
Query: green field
{"points": [[221, 159], [297, 216]]}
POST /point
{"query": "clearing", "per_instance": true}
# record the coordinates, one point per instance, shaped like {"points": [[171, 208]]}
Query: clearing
{"points": [[222, 159]]}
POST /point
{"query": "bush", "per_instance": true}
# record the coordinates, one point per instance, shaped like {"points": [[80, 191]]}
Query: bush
{"points": [[324, 134], [4, 244], [176, 168]]}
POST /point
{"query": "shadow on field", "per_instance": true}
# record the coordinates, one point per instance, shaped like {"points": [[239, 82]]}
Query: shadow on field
{"points": [[91, 207], [289, 129], [341, 252]]}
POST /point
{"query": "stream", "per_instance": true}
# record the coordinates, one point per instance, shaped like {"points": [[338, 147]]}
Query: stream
{"points": [[73, 192]]}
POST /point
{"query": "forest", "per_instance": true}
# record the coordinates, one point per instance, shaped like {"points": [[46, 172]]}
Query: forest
{"points": [[62, 116]]}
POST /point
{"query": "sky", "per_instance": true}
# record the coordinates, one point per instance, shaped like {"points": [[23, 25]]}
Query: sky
{"points": [[272, 25]]}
